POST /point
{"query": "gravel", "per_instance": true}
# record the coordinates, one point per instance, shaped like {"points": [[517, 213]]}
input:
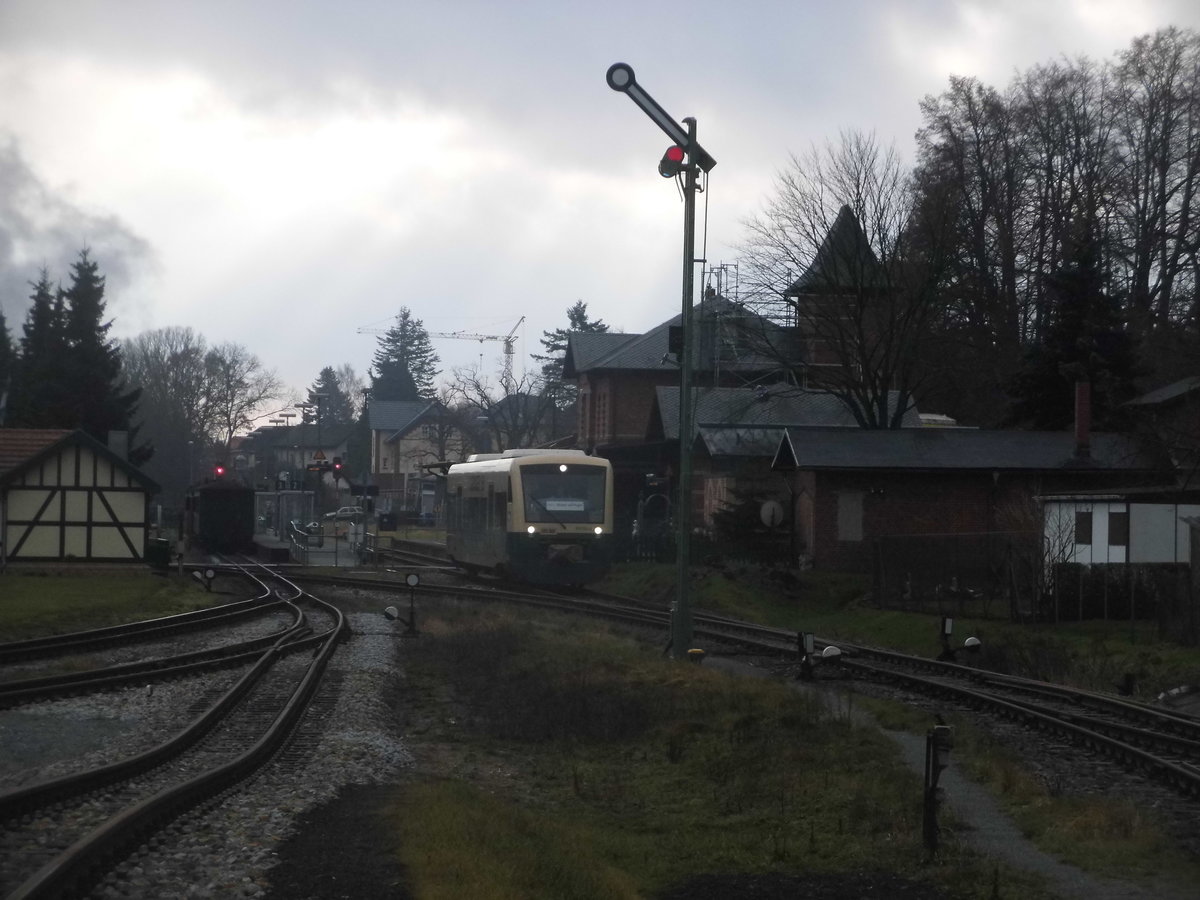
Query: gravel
{"points": [[227, 848]]}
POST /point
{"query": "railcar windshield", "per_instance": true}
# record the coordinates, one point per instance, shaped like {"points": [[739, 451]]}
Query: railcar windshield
{"points": [[564, 494]]}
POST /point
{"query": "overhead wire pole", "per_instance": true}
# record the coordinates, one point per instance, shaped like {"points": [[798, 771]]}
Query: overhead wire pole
{"points": [[620, 77]]}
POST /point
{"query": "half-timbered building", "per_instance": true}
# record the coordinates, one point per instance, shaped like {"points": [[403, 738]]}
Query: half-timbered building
{"points": [[66, 496]]}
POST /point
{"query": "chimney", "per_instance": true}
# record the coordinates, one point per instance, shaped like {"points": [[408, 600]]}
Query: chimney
{"points": [[1083, 419]]}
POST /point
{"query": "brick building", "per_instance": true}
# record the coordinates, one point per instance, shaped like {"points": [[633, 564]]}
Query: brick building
{"points": [[850, 487], [619, 377]]}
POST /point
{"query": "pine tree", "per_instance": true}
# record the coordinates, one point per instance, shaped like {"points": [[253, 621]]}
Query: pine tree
{"points": [[336, 407], [555, 343], [94, 396], [7, 362], [35, 400], [405, 364], [1085, 339]]}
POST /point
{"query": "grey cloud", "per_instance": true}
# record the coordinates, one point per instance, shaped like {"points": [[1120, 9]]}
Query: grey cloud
{"points": [[41, 228]]}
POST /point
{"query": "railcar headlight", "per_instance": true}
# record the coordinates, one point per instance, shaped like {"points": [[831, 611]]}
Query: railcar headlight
{"points": [[531, 530], [598, 530]]}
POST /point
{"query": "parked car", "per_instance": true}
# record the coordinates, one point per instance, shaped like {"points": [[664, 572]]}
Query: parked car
{"points": [[346, 513]]}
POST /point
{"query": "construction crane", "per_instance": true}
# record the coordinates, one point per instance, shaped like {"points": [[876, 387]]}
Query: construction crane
{"points": [[508, 339]]}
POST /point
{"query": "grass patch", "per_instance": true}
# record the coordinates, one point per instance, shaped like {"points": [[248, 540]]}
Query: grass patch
{"points": [[32, 605], [582, 760], [1104, 834]]}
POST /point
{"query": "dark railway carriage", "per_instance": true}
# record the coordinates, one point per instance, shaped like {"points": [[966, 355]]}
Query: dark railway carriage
{"points": [[541, 516], [223, 517]]}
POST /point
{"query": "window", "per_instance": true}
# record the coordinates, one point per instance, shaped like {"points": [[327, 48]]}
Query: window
{"points": [[850, 516], [574, 495], [1118, 529], [1083, 527]]}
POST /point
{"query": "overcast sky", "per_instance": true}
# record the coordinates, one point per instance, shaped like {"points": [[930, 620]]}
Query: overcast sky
{"points": [[282, 174]]}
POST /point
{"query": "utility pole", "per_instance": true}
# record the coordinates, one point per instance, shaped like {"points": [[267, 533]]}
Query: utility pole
{"points": [[684, 159]]}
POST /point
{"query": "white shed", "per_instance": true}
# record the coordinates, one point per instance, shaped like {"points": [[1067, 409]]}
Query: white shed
{"points": [[1136, 526]]}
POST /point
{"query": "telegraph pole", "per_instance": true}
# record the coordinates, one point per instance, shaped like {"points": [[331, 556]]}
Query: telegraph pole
{"points": [[686, 158]]}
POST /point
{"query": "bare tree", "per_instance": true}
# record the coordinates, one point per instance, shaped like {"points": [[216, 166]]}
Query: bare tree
{"points": [[168, 366], [237, 387], [510, 413], [354, 386], [1158, 115], [836, 256]]}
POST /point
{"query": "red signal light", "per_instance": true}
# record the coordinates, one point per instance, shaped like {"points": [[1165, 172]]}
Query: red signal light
{"points": [[219, 470], [672, 162]]}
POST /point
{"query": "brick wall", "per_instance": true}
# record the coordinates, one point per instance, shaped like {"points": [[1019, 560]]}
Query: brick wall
{"points": [[907, 503]]}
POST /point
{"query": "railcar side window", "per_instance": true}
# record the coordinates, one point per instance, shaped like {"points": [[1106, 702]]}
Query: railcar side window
{"points": [[500, 510], [564, 494]]}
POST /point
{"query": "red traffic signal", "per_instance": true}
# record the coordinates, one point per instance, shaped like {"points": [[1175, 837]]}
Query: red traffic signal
{"points": [[337, 464], [672, 162], [219, 469]]}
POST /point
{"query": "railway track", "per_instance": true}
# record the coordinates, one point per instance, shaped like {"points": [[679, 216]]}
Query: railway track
{"points": [[231, 634], [61, 834]]}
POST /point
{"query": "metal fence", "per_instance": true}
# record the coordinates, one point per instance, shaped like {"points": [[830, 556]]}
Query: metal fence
{"points": [[995, 574]]}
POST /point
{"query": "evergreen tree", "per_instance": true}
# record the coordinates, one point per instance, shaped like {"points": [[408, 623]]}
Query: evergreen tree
{"points": [[336, 407], [7, 360], [1086, 339], [555, 343], [39, 382], [98, 400], [405, 364]]}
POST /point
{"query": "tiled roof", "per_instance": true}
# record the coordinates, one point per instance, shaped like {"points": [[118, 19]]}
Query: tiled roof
{"points": [[20, 447], [17, 445], [285, 436], [395, 415], [776, 405], [955, 448], [1167, 393], [844, 262], [585, 347], [728, 336]]}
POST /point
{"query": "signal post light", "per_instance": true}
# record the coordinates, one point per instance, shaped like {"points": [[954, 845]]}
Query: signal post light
{"points": [[219, 470], [672, 162], [620, 77]]}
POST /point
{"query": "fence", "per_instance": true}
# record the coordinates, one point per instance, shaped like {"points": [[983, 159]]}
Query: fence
{"points": [[1007, 575], [991, 574], [1161, 592]]}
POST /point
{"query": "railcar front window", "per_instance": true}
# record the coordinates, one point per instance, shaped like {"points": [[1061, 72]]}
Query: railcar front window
{"points": [[575, 495]]}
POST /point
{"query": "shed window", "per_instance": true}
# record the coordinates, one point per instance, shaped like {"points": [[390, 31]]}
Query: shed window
{"points": [[850, 516], [1083, 527], [1118, 529]]}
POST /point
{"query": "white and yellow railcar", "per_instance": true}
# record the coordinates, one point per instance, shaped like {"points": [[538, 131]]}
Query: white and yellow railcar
{"points": [[542, 516]]}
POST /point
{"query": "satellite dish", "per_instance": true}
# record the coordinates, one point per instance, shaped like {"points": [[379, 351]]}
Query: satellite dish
{"points": [[771, 513]]}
